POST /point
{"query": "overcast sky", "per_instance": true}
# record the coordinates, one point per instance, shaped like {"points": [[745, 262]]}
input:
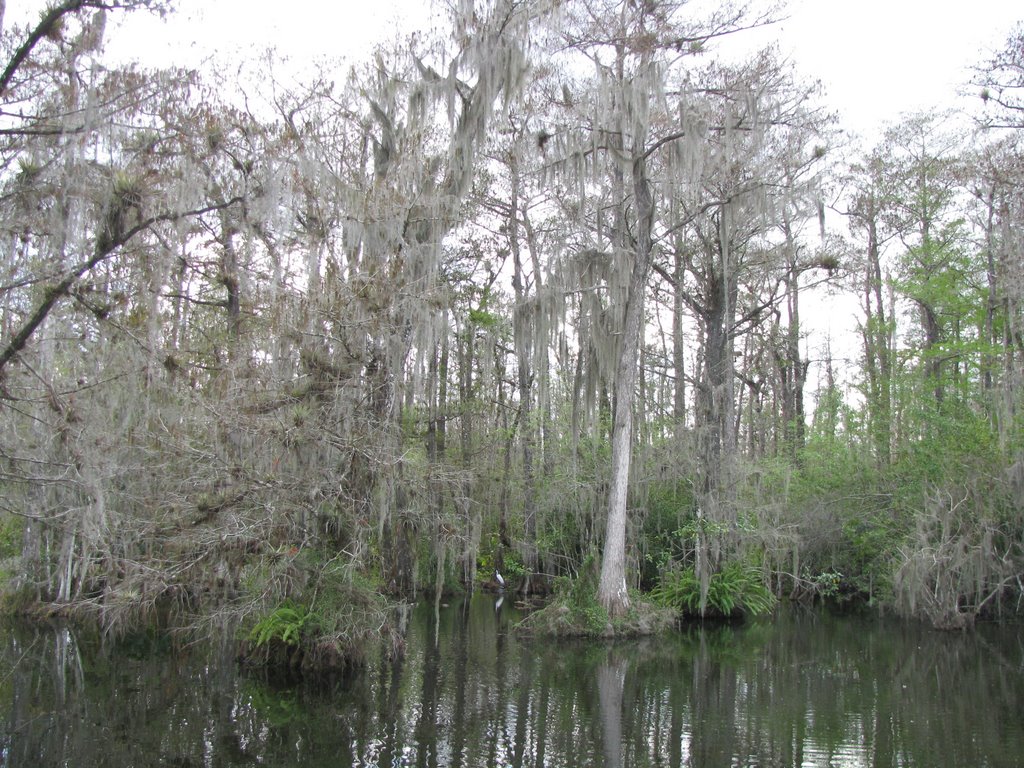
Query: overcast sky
{"points": [[876, 58]]}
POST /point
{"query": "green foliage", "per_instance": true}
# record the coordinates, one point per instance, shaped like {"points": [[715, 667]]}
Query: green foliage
{"points": [[827, 583], [576, 600], [574, 610], [21, 600], [483, 318], [28, 170], [736, 589], [705, 526], [511, 567], [514, 567], [286, 624], [127, 189], [668, 504], [319, 612], [11, 529], [486, 557], [579, 595], [867, 550], [432, 552]]}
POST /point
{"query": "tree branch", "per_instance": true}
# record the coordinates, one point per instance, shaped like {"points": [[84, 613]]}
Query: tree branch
{"points": [[63, 288], [45, 27]]}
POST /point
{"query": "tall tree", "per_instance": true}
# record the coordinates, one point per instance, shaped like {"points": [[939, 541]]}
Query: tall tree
{"points": [[758, 166], [630, 144], [410, 202], [867, 219]]}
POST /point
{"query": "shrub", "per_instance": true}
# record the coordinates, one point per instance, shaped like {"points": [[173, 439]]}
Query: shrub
{"points": [[285, 624], [735, 590], [330, 617]]}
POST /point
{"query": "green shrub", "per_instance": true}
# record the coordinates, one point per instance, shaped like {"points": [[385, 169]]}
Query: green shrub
{"points": [[285, 624], [312, 612], [11, 530], [737, 589], [575, 611], [670, 507]]}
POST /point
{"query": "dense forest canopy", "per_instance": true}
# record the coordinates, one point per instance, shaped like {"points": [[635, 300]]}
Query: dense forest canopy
{"points": [[527, 297]]}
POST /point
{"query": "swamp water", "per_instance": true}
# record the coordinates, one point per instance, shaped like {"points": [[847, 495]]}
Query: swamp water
{"points": [[806, 689]]}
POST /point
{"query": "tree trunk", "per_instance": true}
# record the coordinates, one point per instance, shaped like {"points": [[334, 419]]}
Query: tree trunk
{"points": [[678, 345], [612, 589], [522, 336]]}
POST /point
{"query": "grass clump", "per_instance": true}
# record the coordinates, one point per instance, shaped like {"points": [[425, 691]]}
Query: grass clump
{"points": [[736, 590], [575, 611]]}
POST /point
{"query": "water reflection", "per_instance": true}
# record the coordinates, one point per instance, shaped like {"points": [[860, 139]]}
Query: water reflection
{"points": [[805, 690]]}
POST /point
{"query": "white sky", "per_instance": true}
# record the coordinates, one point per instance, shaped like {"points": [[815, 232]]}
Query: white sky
{"points": [[876, 58], [298, 29]]}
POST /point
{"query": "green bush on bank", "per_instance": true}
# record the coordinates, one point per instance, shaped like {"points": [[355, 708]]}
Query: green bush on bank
{"points": [[285, 624], [332, 619], [736, 590]]}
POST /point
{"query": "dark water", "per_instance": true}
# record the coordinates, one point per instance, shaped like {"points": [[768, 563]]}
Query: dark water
{"points": [[807, 689]]}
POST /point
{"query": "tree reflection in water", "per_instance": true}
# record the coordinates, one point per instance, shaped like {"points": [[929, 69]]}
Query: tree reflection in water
{"points": [[807, 689]]}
